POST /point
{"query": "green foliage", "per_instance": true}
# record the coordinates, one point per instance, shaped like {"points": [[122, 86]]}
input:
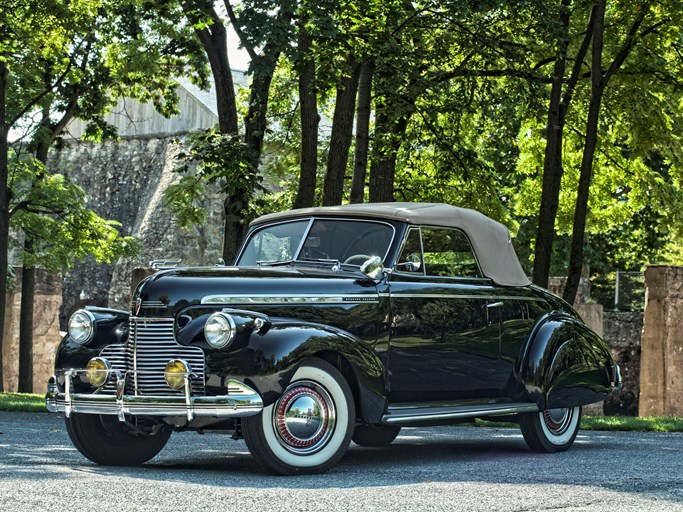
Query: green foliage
{"points": [[612, 423], [68, 59], [22, 402], [51, 212], [212, 158]]}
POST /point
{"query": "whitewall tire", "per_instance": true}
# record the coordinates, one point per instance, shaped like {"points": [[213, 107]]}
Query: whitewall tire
{"points": [[551, 430], [308, 429]]}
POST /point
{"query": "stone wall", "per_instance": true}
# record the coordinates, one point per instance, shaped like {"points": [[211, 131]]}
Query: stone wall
{"points": [[124, 181], [622, 332], [661, 370], [46, 336]]}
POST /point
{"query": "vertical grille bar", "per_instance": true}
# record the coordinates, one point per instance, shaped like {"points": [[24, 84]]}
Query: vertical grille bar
{"points": [[151, 344]]}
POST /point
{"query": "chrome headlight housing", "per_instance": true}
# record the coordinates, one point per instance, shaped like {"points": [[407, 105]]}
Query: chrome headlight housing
{"points": [[82, 326], [219, 330]]}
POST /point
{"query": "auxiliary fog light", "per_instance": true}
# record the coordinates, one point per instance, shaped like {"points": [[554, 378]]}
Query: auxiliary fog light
{"points": [[175, 372], [97, 371]]}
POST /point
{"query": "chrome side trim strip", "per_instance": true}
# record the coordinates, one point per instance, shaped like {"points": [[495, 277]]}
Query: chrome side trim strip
{"points": [[240, 401], [406, 415], [399, 295], [290, 299]]}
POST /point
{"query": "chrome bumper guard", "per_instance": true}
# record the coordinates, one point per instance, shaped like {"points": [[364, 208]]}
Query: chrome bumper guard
{"points": [[240, 401]]}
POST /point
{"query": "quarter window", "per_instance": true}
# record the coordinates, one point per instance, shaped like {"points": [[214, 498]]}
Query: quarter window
{"points": [[447, 253]]}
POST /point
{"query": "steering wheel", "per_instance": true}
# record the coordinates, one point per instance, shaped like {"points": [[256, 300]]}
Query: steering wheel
{"points": [[362, 257]]}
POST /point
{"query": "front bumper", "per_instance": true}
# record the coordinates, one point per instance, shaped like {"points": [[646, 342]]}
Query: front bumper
{"points": [[240, 401]]}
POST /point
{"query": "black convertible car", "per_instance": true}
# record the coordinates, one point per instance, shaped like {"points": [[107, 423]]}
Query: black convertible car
{"points": [[334, 324]]}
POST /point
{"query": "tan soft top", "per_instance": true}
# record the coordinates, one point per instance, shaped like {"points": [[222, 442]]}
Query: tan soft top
{"points": [[490, 239]]}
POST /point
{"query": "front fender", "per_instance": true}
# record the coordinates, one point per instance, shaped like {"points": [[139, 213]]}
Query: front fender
{"points": [[566, 364], [269, 360], [111, 327]]}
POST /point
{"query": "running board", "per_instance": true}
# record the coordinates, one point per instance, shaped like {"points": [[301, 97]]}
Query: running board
{"points": [[413, 413]]}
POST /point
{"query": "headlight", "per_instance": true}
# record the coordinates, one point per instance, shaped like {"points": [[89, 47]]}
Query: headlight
{"points": [[219, 330], [175, 372], [97, 371], [82, 326]]}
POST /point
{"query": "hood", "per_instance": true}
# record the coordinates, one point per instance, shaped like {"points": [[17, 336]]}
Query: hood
{"points": [[167, 292]]}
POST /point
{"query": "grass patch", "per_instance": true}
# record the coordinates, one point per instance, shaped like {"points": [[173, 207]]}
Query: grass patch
{"points": [[22, 402], [613, 423], [633, 423]]}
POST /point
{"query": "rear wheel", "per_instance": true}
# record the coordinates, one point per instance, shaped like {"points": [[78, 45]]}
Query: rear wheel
{"points": [[105, 440], [309, 428], [552, 430], [375, 435]]}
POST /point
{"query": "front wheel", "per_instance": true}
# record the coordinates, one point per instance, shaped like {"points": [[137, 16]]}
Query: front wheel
{"points": [[309, 428], [552, 430], [105, 440]]}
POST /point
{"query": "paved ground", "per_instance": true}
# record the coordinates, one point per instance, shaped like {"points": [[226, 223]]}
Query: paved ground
{"points": [[446, 468]]}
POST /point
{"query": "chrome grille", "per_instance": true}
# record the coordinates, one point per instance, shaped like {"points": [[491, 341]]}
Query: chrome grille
{"points": [[150, 346]]}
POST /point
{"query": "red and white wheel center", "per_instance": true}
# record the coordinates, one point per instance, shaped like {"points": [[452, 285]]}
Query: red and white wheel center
{"points": [[302, 418]]}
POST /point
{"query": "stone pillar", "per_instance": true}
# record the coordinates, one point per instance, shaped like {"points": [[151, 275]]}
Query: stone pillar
{"points": [[661, 364], [46, 335]]}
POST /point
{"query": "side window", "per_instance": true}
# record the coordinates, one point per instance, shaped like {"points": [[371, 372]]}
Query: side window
{"points": [[411, 255], [447, 253]]}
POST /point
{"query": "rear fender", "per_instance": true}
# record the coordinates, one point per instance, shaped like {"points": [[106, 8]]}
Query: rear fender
{"points": [[567, 364]]}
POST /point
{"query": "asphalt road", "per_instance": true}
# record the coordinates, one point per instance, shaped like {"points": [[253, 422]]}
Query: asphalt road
{"points": [[444, 468]]}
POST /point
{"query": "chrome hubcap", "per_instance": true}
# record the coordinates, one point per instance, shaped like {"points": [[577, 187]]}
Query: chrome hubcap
{"points": [[304, 417], [558, 420]]}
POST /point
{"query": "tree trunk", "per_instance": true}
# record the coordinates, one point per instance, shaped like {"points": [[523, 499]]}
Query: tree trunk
{"points": [[4, 211], [342, 132], [214, 41], [552, 164], [28, 285], [586, 173], [309, 120], [388, 135], [233, 227], [360, 163], [599, 81], [42, 141]]}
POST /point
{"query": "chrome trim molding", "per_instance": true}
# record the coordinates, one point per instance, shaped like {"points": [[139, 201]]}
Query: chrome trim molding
{"points": [[413, 414], [289, 299], [400, 295], [240, 401]]}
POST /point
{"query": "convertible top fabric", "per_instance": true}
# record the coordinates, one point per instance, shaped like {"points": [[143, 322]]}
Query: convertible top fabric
{"points": [[490, 239]]}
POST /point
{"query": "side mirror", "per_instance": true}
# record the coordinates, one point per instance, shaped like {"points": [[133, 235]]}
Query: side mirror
{"points": [[373, 267], [413, 263]]}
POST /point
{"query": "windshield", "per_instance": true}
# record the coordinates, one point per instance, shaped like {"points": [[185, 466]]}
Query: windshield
{"points": [[346, 241]]}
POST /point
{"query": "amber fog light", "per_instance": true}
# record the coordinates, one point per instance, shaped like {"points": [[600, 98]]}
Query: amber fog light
{"points": [[97, 371], [175, 372]]}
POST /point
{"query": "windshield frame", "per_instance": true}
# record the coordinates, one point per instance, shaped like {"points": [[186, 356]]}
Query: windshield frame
{"points": [[311, 221]]}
